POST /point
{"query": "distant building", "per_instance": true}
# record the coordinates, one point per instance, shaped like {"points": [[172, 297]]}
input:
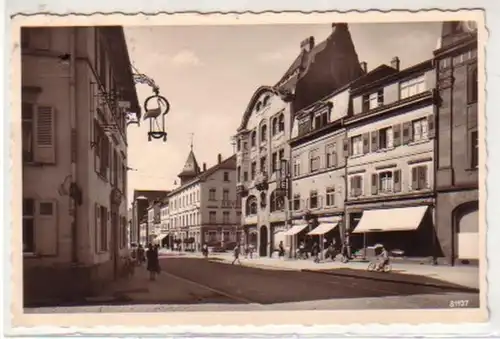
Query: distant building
{"points": [[457, 148], [164, 238], [76, 93], [142, 199], [205, 208], [154, 223]]}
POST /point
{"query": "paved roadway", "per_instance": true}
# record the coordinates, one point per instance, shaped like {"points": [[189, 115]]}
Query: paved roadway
{"points": [[191, 284]]}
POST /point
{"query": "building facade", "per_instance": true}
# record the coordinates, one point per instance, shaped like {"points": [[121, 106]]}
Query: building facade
{"points": [[318, 70], [205, 208], [76, 93], [163, 238], [457, 149], [154, 221], [142, 200], [390, 162]]}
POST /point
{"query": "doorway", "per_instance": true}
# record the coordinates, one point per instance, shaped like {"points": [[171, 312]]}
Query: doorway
{"points": [[263, 241]]}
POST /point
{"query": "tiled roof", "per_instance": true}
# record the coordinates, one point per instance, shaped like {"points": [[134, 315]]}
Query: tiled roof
{"points": [[191, 167]]}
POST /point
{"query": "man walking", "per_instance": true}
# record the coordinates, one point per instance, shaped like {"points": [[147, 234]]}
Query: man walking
{"points": [[236, 253]]}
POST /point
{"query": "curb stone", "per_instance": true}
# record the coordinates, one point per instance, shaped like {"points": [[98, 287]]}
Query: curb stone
{"points": [[416, 283]]}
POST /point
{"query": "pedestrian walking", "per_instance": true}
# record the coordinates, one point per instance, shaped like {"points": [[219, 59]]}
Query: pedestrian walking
{"points": [[281, 250], [236, 253], [140, 255], [315, 252], [153, 265], [250, 250]]}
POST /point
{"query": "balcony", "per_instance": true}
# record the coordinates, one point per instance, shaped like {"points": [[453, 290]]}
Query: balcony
{"points": [[241, 190], [261, 181]]}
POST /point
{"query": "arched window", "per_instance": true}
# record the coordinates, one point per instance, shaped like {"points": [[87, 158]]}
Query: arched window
{"points": [[251, 205], [263, 133], [275, 202], [275, 127], [257, 107], [281, 123], [265, 101], [253, 139]]}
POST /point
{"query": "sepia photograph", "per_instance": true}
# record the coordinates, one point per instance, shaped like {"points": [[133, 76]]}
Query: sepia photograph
{"points": [[270, 167]]}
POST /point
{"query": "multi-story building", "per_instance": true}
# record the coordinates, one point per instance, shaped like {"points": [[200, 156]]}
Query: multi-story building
{"points": [[154, 221], [163, 238], [77, 89], [457, 148], [390, 161], [141, 201], [205, 208], [262, 139]]}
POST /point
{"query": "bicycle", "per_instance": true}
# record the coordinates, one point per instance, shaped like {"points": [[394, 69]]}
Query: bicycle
{"points": [[373, 267]]}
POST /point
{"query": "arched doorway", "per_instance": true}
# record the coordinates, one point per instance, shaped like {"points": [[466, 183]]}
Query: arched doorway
{"points": [[263, 241], [466, 226]]}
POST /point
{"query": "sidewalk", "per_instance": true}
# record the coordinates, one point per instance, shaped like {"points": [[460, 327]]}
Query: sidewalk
{"points": [[447, 276]]}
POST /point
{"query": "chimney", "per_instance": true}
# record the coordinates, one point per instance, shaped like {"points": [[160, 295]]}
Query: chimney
{"points": [[307, 44], [204, 166], [364, 66], [219, 158], [395, 63]]}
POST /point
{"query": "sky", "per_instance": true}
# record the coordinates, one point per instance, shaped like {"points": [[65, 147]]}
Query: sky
{"points": [[209, 73]]}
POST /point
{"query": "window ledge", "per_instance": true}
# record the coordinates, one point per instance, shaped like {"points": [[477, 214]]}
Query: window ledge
{"points": [[385, 150], [356, 156], [28, 255], [472, 169], [418, 142]]}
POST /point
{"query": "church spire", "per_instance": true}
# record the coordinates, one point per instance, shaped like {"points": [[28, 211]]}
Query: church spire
{"points": [[191, 168]]}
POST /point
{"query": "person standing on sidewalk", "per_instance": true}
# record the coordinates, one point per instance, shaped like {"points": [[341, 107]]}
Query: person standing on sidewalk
{"points": [[153, 265], [236, 253], [315, 252], [281, 250]]}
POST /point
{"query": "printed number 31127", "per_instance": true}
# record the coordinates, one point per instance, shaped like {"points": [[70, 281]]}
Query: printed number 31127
{"points": [[459, 303]]}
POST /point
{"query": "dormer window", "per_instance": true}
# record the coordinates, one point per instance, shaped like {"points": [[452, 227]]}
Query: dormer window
{"points": [[373, 100], [320, 120], [411, 87]]}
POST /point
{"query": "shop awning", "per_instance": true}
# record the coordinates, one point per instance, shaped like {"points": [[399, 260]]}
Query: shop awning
{"points": [[295, 229], [161, 237], [387, 220], [323, 228]]}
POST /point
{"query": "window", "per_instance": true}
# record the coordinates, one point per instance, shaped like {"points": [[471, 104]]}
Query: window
{"points": [[281, 123], [281, 155], [385, 138], [123, 233], [419, 178], [253, 170], [263, 133], [211, 194], [373, 100], [474, 144], [263, 164], [238, 173], [276, 202], [253, 139], [385, 182], [296, 167], [251, 205], [412, 87], [28, 225], [296, 202], [472, 86], [304, 127], [27, 115], [330, 196], [313, 199], [314, 161], [245, 176], [212, 217], [225, 195], [275, 126], [274, 163], [321, 120], [226, 176], [331, 155], [102, 63], [225, 217], [238, 145], [104, 228], [420, 129], [357, 145], [356, 185]]}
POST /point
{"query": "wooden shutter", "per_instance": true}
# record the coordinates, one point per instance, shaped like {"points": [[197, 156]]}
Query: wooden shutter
{"points": [[46, 235], [472, 84], [45, 138], [397, 135], [397, 180], [366, 143], [414, 178], [352, 187], [333, 158], [407, 132], [431, 126], [347, 148], [359, 185], [374, 183], [97, 235], [422, 177], [374, 135]]}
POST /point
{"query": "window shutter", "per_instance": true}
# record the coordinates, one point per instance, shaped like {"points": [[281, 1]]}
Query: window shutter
{"points": [[333, 159], [422, 177], [347, 147], [471, 83], [45, 139], [397, 180], [366, 143], [397, 135], [352, 187], [46, 234], [374, 135], [414, 178], [374, 183], [431, 126], [407, 132], [97, 227], [359, 185]]}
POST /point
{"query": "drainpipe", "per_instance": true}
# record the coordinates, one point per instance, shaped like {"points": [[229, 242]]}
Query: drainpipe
{"points": [[74, 146]]}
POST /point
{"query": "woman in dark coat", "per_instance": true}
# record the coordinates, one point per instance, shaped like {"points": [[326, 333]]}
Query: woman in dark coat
{"points": [[153, 265]]}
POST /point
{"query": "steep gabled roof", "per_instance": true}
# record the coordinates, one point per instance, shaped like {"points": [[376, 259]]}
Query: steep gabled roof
{"points": [[191, 167]]}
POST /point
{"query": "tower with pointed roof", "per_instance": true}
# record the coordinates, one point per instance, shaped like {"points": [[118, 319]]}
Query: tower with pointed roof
{"points": [[191, 169]]}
